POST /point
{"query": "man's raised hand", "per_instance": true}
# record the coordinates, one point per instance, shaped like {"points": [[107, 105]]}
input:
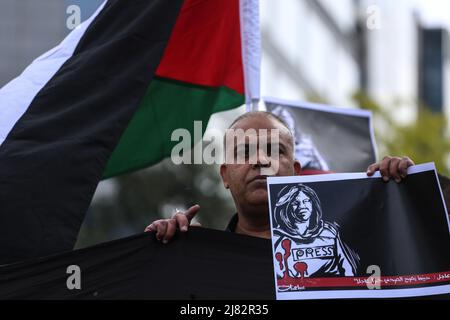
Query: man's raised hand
{"points": [[165, 228], [391, 167]]}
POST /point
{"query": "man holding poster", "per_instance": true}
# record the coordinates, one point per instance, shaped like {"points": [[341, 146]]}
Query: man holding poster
{"points": [[248, 186], [321, 253]]}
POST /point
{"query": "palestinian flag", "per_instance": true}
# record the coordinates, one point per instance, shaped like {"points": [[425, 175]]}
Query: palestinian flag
{"points": [[105, 102]]}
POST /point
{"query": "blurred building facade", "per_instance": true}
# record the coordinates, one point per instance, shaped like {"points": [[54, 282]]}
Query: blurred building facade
{"points": [[312, 49], [308, 50], [331, 49], [28, 28]]}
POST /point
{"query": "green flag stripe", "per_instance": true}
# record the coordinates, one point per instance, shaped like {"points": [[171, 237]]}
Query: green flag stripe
{"points": [[167, 105]]}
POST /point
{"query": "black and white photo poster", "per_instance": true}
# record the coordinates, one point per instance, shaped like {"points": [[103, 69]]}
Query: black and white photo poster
{"points": [[348, 235], [352, 148]]}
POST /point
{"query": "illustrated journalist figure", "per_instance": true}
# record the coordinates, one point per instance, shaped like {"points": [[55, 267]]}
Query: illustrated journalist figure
{"points": [[305, 245]]}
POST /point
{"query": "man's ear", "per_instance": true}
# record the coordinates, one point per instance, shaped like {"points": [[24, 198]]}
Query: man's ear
{"points": [[223, 174], [297, 167]]}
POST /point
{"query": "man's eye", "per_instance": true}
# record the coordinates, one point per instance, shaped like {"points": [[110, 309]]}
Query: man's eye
{"points": [[306, 201], [243, 152], [274, 148]]}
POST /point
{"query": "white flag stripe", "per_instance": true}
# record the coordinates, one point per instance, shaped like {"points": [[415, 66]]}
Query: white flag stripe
{"points": [[17, 95]]}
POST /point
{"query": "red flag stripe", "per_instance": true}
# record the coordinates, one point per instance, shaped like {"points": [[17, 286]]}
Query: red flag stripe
{"points": [[199, 49]]}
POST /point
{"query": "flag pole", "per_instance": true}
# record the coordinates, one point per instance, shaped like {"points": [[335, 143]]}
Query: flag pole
{"points": [[251, 51]]}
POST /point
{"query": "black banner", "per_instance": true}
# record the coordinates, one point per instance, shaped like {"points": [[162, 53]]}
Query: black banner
{"points": [[199, 264]]}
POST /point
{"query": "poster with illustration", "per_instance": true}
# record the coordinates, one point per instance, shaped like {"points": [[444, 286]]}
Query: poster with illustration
{"points": [[351, 236], [352, 148]]}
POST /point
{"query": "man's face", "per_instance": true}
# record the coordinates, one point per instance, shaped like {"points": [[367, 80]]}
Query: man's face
{"points": [[302, 207], [247, 181]]}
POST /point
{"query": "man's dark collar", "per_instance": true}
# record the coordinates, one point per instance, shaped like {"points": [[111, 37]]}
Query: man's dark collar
{"points": [[231, 227]]}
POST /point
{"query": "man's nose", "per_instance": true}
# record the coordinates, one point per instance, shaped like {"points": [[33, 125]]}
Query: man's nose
{"points": [[263, 160]]}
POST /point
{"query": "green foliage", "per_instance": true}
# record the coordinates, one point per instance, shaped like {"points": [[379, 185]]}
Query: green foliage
{"points": [[424, 140]]}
